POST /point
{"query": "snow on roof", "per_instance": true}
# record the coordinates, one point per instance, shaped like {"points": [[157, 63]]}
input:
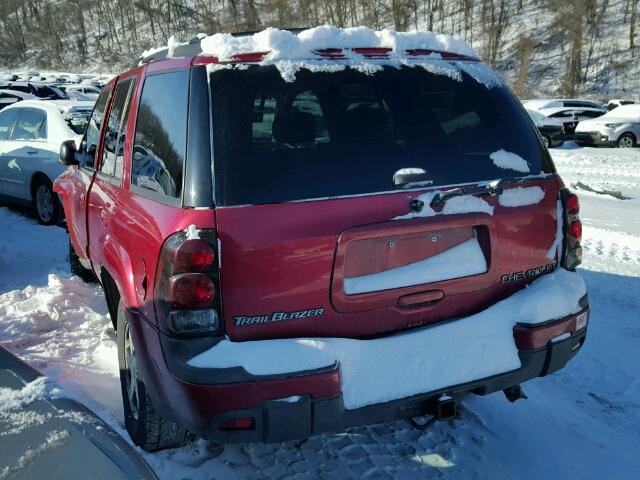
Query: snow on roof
{"points": [[18, 93], [551, 110], [283, 44], [624, 111], [330, 49]]}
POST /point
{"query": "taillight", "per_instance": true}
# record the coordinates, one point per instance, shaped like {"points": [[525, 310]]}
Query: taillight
{"points": [[572, 251], [572, 204], [575, 230], [191, 290], [187, 285]]}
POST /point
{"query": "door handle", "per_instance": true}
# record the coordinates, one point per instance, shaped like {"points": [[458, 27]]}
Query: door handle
{"points": [[427, 298]]}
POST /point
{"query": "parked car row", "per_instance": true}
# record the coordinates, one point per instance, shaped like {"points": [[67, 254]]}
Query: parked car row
{"points": [[587, 122], [50, 87]]}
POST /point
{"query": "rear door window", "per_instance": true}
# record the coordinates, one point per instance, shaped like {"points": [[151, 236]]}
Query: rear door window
{"points": [[112, 152], [161, 135], [92, 136], [347, 133]]}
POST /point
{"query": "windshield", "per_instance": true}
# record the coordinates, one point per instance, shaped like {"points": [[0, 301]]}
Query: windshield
{"points": [[347, 133], [78, 122]]}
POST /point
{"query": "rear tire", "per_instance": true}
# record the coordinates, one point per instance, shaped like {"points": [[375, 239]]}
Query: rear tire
{"points": [[626, 140], [146, 427], [45, 202], [76, 267]]}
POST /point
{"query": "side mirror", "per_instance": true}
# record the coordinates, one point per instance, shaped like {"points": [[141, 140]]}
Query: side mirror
{"points": [[68, 153]]}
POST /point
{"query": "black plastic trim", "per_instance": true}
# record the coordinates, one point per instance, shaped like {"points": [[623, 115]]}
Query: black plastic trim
{"points": [[197, 189], [279, 420], [178, 351]]}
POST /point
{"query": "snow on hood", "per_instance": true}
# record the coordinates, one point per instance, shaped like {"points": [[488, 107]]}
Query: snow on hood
{"points": [[605, 119], [285, 45]]}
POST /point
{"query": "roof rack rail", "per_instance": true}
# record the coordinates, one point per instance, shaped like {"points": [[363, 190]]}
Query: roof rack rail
{"points": [[192, 48]]}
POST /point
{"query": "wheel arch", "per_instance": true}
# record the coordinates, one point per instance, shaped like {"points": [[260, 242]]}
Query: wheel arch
{"points": [[116, 277], [630, 133], [34, 180]]}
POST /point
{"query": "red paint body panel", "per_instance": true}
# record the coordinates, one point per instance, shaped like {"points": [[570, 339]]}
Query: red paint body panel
{"points": [[531, 338], [198, 404], [290, 257]]}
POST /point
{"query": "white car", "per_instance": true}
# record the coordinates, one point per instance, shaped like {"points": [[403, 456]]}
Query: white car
{"points": [[31, 132], [617, 102], [539, 104], [570, 117], [619, 127]]}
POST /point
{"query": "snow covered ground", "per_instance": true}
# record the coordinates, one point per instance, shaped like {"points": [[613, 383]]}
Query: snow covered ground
{"points": [[582, 422]]}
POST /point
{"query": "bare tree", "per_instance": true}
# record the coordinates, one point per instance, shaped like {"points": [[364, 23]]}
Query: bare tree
{"points": [[526, 48]]}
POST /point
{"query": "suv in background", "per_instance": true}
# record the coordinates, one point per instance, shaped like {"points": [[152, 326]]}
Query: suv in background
{"points": [[620, 127], [293, 245]]}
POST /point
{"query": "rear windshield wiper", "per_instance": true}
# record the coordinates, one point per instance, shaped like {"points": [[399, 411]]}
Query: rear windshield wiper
{"points": [[486, 188]]}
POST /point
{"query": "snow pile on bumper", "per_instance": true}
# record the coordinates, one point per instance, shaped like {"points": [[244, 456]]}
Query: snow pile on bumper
{"points": [[417, 361]]}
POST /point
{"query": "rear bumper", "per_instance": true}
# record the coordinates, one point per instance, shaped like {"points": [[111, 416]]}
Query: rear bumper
{"points": [[594, 139], [230, 405], [277, 421]]}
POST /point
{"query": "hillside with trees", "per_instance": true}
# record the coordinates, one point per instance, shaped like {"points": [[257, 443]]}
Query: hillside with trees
{"points": [[542, 47]]}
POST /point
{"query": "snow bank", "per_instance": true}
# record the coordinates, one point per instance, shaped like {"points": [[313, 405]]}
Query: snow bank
{"points": [[482, 345], [509, 161], [460, 261], [521, 196], [461, 204]]}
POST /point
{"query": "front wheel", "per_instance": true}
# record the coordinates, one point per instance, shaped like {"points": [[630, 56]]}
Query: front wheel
{"points": [[626, 140], [146, 427], [46, 203]]}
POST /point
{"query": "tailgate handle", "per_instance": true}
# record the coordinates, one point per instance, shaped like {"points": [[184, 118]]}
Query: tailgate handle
{"points": [[430, 296]]}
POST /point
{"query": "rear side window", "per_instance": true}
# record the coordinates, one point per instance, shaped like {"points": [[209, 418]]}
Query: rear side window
{"points": [[161, 135], [347, 132], [31, 125], [7, 119], [112, 152], [92, 137]]}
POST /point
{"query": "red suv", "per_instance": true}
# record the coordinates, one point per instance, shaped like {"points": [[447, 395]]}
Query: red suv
{"points": [[298, 246]]}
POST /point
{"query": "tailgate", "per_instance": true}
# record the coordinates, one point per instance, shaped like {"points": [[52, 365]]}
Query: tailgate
{"points": [[344, 268]]}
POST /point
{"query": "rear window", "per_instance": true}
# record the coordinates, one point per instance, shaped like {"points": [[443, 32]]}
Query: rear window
{"points": [[347, 133]]}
